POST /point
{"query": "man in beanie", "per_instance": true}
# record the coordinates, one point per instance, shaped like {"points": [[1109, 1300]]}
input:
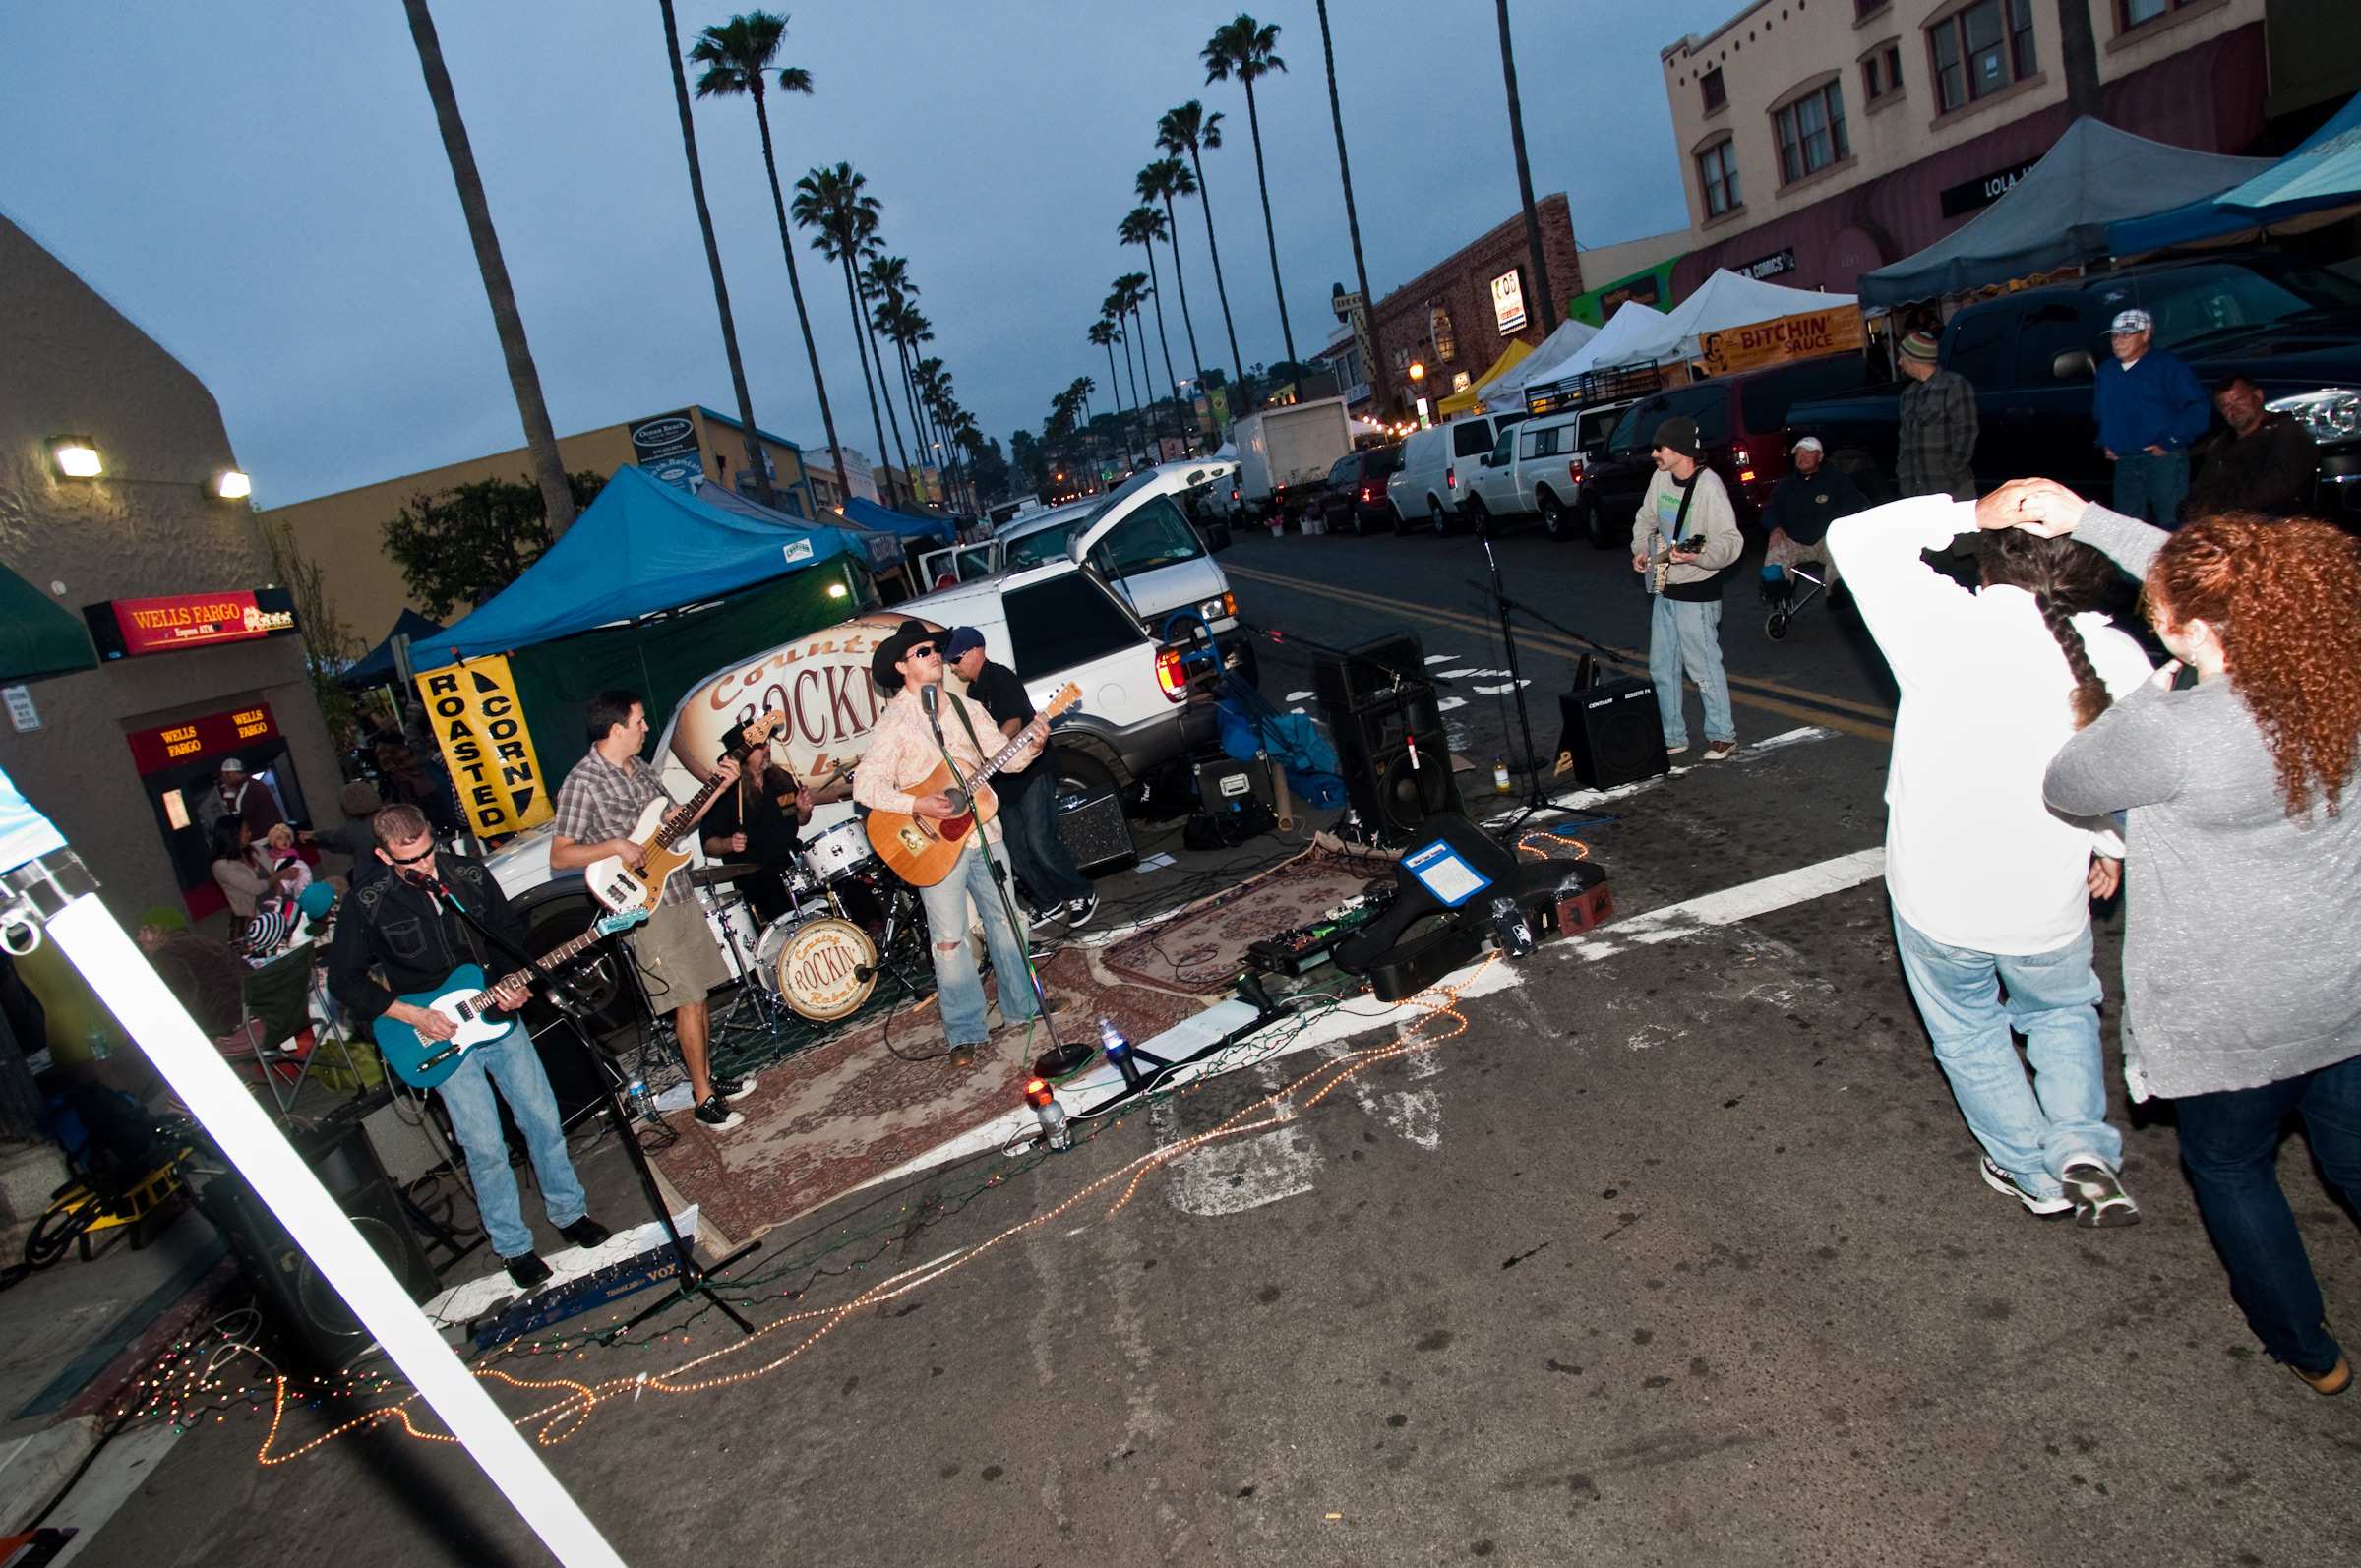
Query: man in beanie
{"points": [[2149, 408], [1686, 504], [1937, 451]]}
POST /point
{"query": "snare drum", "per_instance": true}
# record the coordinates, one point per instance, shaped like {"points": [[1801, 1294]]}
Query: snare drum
{"points": [[732, 921], [823, 967], [841, 851]]}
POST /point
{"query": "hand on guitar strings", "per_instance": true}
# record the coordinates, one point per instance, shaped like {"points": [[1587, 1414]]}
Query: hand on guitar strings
{"points": [[508, 995], [936, 807], [431, 1025]]}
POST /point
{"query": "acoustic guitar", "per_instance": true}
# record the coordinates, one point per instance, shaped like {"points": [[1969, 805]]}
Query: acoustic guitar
{"points": [[466, 998], [921, 850], [622, 886]]}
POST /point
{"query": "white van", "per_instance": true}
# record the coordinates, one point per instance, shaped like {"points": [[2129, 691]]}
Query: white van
{"points": [[1437, 464]]}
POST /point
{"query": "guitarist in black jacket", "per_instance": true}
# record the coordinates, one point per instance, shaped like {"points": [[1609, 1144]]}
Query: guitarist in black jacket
{"points": [[404, 927]]}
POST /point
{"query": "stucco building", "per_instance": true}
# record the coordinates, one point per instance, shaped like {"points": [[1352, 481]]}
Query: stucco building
{"points": [[175, 585]]}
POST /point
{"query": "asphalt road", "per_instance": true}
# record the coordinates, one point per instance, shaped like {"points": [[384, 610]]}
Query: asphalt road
{"points": [[1674, 1253]]}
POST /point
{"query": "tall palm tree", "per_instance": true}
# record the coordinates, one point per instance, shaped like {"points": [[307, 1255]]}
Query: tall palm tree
{"points": [[1117, 304], [1162, 181], [842, 216], [1189, 129], [905, 325], [1103, 333], [1374, 372], [1533, 219], [1083, 388], [721, 290], [1143, 227], [736, 56], [871, 252], [548, 469], [1248, 49], [886, 280]]}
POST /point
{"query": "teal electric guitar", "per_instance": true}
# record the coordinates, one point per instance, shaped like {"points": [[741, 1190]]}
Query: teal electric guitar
{"points": [[466, 998]]}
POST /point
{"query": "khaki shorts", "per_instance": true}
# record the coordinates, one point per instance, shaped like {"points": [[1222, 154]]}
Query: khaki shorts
{"points": [[678, 956]]}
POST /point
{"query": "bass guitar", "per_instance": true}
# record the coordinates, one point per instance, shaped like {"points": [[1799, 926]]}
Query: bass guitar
{"points": [[620, 885], [466, 998], [921, 850]]}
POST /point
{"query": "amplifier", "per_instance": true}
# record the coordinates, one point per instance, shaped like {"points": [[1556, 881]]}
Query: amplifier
{"points": [[1223, 786], [403, 1145], [1094, 829], [1614, 734]]}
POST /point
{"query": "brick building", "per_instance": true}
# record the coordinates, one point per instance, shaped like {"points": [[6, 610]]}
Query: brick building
{"points": [[1447, 317]]}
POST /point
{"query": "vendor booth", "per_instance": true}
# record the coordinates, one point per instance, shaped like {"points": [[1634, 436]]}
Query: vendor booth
{"points": [[1466, 399], [2320, 182]]}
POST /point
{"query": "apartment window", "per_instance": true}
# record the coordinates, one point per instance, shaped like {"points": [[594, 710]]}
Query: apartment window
{"points": [[1881, 74], [1982, 50], [1811, 133], [2136, 12], [1714, 94], [1868, 7], [1718, 177]]}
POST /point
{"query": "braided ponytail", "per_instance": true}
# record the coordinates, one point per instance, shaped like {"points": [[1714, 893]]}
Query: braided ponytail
{"points": [[2090, 696]]}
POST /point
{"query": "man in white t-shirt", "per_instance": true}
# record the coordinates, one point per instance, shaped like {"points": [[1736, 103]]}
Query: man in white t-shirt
{"points": [[1991, 890]]}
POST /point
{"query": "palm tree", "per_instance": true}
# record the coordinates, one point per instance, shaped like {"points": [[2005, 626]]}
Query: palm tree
{"points": [[832, 205], [1117, 304], [886, 278], [1103, 333], [1133, 289], [1533, 219], [1162, 181], [1189, 129], [905, 327], [1144, 227], [721, 290], [1081, 389], [736, 55], [1247, 49], [548, 469], [872, 252], [1374, 372]]}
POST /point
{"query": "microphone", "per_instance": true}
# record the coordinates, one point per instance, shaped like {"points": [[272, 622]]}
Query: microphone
{"points": [[929, 696]]}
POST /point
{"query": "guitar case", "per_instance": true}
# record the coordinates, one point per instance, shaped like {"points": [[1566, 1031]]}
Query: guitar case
{"points": [[1399, 963]]}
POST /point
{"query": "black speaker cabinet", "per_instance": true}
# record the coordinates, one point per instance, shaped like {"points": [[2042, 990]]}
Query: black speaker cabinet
{"points": [[316, 1325], [1094, 829], [1367, 673], [1614, 734], [1395, 761]]}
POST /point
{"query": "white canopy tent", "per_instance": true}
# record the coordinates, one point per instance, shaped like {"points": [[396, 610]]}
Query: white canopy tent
{"points": [[1507, 390], [1623, 340], [1723, 300]]}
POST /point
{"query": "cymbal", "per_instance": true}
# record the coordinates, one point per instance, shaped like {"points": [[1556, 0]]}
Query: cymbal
{"points": [[723, 871]]}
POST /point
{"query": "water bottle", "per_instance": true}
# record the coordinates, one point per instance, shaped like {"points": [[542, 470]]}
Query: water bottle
{"points": [[1055, 1129], [636, 1101], [1500, 784]]}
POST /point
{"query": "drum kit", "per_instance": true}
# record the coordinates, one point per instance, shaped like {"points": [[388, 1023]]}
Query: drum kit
{"points": [[819, 960]]}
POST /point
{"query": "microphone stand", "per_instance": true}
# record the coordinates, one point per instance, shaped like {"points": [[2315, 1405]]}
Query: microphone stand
{"points": [[690, 1279]]}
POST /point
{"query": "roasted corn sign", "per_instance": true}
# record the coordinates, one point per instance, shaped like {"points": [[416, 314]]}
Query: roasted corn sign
{"points": [[1807, 336], [480, 726]]}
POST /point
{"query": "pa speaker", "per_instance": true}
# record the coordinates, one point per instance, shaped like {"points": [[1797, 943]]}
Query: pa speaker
{"points": [[1094, 829], [1614, 734], [1396, 762], [1372, 672], [317, 1328]]}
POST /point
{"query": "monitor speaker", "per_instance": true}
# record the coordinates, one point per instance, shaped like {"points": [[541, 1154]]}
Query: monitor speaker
{"points": [[1614, 734], [1369, 672], [1396, 762], [315, 1325], [1094, 829]]}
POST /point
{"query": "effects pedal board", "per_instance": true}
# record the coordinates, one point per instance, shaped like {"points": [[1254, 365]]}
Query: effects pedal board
{"points": [[525, 1315], [1304, 947]]}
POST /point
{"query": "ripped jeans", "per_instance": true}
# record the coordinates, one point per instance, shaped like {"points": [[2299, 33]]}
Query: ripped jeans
{"points": [[958, 988]]}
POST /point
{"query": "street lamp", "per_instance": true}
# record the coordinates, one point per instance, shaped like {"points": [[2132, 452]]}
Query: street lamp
{"points": [[75, 457]]}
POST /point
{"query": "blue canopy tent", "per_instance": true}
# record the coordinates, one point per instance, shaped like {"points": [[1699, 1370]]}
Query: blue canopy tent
{"points": [[884, 550], [869, 514], [2321, 175], [376, 667], [642, 546]]}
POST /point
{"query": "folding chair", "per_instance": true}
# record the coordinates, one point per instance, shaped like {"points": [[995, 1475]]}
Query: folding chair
{"points": [[276, 1003]]}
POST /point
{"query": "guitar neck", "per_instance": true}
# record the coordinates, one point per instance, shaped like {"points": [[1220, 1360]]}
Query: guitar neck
{"points": [[550, 960], [1016, 743]]}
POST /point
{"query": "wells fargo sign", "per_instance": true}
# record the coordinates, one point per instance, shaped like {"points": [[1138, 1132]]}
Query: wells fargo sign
{"points": [[479, 725], [1803, 336], [213, 734], [122, 627]]}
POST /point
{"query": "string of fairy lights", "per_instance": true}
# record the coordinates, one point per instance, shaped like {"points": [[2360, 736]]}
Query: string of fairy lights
{"points": [[193, 1383]]}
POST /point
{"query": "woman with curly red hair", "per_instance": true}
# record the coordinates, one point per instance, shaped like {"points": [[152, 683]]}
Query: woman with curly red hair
{"points": [[2242, 979]]}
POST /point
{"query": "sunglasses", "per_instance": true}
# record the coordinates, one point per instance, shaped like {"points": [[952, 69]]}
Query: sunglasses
{"points": [[925, 650], [412, 860]]}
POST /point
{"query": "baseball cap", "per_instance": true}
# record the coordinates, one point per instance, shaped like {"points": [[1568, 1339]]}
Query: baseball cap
{"points": [[2131, 321], [960, 640], [230, 765], [1810, 444]]}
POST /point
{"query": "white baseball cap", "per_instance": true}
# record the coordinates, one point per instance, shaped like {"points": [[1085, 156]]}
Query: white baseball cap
{"points": [[2131, 321], [1810, 444]]}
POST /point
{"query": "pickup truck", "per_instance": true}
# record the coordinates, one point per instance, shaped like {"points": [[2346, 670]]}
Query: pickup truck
{"points": [[1541, 467], [2030, 357]]}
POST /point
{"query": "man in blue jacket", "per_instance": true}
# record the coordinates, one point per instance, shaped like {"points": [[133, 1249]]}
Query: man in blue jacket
{"points": [[2150, 409]]}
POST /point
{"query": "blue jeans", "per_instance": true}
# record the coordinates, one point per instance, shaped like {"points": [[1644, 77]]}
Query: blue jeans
{"points": [[1687, 637], [958, 988], [2029, 1129], [2152, 488], [2230, 1148], [1038, 850], [475, 1120]]}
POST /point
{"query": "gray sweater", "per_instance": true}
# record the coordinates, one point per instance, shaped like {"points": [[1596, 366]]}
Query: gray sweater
{"points": [[2239, 964]]}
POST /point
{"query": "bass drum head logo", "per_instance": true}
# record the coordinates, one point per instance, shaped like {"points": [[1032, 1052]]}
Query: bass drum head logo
{"points": [[819, 684]]}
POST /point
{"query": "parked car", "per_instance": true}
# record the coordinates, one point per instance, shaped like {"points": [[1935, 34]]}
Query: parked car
{"points": [[1541, 468], [2031, 355], [1740, 427], [1285, 453], [1354, 498], [1434, 463]]}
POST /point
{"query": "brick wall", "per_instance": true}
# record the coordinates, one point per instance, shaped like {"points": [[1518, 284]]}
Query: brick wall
{"points": [[1461, 287]]}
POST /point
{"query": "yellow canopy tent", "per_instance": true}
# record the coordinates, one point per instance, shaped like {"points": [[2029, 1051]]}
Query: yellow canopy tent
{"points": [[1464, 402]]}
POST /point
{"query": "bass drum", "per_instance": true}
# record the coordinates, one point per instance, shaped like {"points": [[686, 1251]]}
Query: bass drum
{"points": [[822, 968]]}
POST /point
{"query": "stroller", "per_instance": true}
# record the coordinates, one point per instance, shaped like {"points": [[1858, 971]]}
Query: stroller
{"points": [[1781, 600]]}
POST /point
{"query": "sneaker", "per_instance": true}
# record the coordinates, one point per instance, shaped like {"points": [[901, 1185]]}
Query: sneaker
{"points": [[584, 1231], [2336, 1381], [964, 1055], [1677, 751], [527, 1270], [1036, 915], [1079, 911], [1721, 751], [729, 1088], [2099, 1201], [2000, 1181], [717, 1114]]}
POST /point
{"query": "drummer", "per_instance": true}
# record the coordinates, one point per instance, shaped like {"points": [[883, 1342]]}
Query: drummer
{"points": [[757, 821]]}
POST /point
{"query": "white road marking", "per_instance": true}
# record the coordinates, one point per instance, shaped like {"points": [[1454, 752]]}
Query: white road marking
{"points": [[1579, 800], [1297, 697], [1496, 690], [1728, 906], [1236, 1174], [1440, 658], [1450, 702]]}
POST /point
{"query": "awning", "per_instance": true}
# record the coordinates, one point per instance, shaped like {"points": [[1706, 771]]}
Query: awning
{"points": [[38, 636], [376, 667], [2317, 181], [1465, 400]]}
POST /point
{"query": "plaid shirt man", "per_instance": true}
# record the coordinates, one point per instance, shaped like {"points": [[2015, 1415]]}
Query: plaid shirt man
{"points": [[599, 800], [1937, 437]]}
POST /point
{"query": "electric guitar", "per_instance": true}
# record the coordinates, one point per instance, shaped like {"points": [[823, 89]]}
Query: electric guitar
{"points": [[921, 850], [621, 886], [466, 998]]}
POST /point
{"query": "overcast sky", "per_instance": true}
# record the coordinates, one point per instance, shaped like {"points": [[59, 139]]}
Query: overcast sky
{"points": [[260, 187]]}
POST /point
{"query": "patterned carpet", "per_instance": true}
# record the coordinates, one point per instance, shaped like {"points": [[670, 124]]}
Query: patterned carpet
{"points": [[1199, 948]]}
